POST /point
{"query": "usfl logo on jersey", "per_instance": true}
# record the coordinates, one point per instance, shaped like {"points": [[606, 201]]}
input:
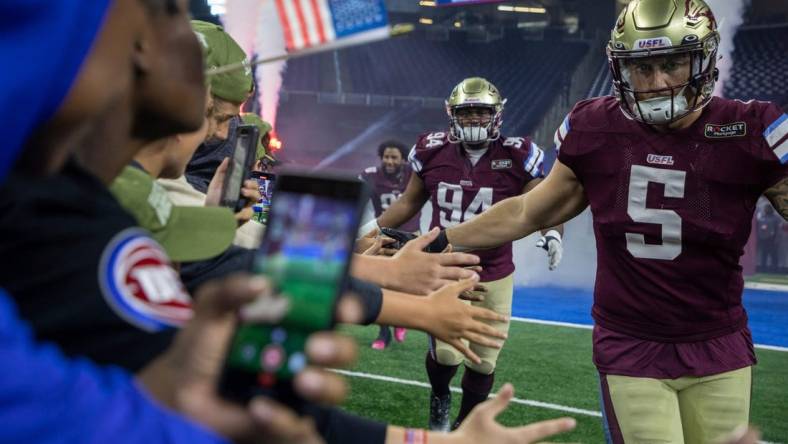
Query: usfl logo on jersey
{"points": [[139, 283]]}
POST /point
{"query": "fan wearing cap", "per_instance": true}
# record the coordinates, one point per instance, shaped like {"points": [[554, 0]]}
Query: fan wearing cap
{"points": [[265, 159], [229, 91], [201, 185], [187, 233]]}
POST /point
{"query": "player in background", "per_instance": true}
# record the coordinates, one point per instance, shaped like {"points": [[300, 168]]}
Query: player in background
{"points": [[388, 182], [672, 176], [463, 172]]}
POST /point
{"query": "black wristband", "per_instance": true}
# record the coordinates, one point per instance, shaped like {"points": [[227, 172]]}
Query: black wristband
{"points": [[439, 244], [370, 296]]}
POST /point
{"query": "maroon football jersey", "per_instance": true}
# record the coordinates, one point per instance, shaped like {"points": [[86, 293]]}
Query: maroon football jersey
{"points": [[672, 212], [386, 189], [460, 190]]}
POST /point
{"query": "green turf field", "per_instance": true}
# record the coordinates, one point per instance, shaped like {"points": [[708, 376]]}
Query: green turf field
{"points": [[548, 364], [762, 278]]}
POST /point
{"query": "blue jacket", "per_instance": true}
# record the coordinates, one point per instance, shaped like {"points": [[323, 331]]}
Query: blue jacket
{"points": [[47, 398]]}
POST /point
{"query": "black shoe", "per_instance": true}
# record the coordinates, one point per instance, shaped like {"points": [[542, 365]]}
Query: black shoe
{"points": [[439, 412]]}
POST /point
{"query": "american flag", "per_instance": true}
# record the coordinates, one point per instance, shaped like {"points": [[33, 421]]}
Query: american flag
{"points": [[310, 23]]}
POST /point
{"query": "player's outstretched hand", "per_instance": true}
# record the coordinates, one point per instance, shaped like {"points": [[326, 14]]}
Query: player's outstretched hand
{"points": [[480, 425], [372, 244], [451, 320], [186, 376], [552, 244], [417, 272]]}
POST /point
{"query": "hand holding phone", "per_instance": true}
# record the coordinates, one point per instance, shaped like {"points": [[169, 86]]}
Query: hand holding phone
{"points": [[305, 252], [240, 167]]}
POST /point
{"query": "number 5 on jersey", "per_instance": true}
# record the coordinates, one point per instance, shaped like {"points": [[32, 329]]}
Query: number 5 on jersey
{"points": [[450, 202], [670, 221]]}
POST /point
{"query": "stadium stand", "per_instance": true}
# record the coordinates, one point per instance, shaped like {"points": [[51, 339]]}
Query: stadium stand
{"points": [[417, 74], [760, 61]]}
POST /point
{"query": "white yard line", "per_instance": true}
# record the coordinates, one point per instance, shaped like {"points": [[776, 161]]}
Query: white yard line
{"points": [[765, 286], [590, 327], [528, 402]]}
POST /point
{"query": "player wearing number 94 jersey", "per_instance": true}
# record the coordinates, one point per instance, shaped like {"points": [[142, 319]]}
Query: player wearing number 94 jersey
{"points": [[672, 176], [463, 172]]}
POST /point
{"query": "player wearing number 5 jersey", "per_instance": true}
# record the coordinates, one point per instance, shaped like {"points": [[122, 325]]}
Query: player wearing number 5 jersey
{"points": [[387, 182], [672, 176], [463, 172]]}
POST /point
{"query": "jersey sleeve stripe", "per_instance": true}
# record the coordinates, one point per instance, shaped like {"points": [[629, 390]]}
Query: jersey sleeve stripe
{"points": [[776, 131], [415, 164], [564, 128], [781, 151], [534, 161], [561, 133]]}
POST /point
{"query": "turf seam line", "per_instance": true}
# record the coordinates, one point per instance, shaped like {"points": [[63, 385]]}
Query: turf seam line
{"points": [[528, 402], [591, 327]]}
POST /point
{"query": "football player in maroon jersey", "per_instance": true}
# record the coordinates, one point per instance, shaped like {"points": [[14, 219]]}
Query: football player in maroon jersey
{"points": [[463, 172], [388, 182], [672, 176]]}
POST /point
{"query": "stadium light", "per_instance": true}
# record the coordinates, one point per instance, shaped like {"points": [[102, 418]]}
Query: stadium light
{"points": [[425, 21], [428, 3], [218, 7], [458, 24], [524, 9]]}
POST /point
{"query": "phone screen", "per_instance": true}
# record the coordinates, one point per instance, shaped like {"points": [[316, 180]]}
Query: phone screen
{"points": [[305, 253], [240, 166], [236, 170]]}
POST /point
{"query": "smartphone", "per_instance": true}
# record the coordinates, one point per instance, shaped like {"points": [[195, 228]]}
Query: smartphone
{"points": [[305, 252], [265, 183], [240, 166]]}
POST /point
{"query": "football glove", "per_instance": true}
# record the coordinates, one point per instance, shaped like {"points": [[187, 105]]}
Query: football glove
{"points": [[551, 243], [400, 237]]}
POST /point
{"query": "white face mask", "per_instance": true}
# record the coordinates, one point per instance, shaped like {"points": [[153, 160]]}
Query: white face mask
{"points": [[656, 111], [472, 134]]}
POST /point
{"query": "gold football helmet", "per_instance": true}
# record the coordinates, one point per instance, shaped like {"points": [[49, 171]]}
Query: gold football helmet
{"points": [[649, 28], [480, 93]]}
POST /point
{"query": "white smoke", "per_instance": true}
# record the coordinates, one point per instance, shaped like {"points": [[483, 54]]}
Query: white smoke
{"points": [[255, 25], [729, 15], [269, 42], [237, 23]]}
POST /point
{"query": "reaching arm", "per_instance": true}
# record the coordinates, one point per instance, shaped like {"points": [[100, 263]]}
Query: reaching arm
{"points": [[530, 186], [408, 204], [559, 198], [778, 196]]}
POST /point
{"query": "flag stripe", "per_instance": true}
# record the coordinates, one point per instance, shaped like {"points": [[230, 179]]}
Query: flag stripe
{"points": [[311, 22], [295, 26], [321, 33], [280, 8], [325, 17], [302, 23]]}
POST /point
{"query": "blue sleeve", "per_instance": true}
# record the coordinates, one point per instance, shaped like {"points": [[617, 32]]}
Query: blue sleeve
{"points": [[47, 398]]}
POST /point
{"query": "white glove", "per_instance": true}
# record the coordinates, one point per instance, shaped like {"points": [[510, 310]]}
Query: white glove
{"points": [[551, 243], [367, 228]]}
